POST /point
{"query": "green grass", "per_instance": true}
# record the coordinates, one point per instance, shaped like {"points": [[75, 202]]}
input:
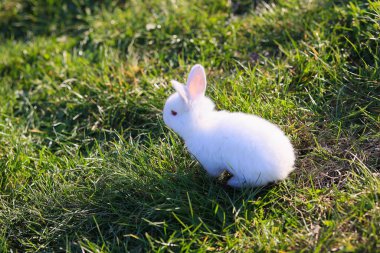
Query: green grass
{"points": [[87, 164]]}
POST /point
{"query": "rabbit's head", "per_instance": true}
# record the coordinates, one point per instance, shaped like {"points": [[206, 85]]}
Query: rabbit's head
{"points": [[184, 108]]}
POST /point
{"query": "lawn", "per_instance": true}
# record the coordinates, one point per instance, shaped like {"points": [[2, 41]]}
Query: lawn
{"points": [[88, 165]]}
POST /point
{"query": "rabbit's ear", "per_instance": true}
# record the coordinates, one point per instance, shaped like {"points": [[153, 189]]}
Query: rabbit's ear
{"points": [[196, 82], [181, 89]]}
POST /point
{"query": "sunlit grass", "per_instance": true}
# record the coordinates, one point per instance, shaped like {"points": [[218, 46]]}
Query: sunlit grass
{"points": [[87, 164]]}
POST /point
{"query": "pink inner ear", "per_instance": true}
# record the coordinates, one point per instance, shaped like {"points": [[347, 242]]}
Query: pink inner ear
{"points": [[196, 82], [196, 86]]}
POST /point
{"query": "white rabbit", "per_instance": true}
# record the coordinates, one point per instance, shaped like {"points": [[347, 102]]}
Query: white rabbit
{"points": [[250, 148]]}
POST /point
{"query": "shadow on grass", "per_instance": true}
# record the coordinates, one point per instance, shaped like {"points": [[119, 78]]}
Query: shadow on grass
{"points": [[21, 19], [135, 209], [240, 7], [171, 209], [24, 19]]}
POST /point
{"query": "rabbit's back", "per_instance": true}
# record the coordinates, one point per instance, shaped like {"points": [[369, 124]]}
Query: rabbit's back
{"points": [[248, 146]]}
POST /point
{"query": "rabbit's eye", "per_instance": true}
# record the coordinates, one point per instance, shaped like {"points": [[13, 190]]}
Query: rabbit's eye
{"points": [[174, 113]]}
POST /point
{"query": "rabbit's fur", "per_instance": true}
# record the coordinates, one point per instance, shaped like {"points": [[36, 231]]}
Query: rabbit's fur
{"points": [[250, 148]]}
